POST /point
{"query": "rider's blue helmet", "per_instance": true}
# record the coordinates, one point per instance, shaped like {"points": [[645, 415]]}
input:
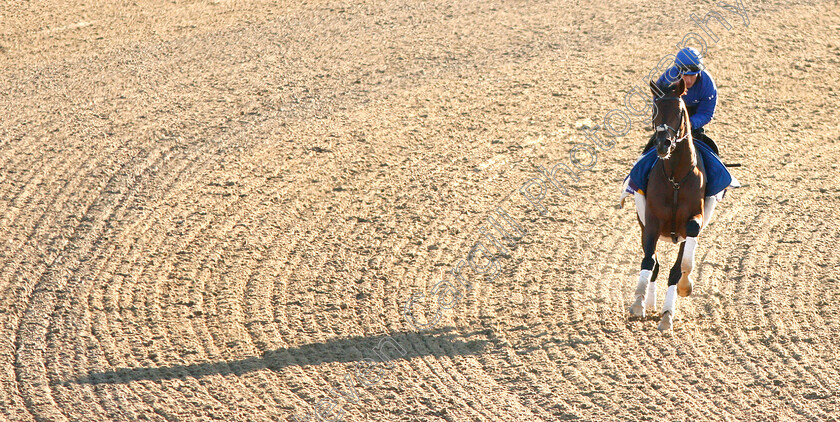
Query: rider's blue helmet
{"points": [[689, 61]]}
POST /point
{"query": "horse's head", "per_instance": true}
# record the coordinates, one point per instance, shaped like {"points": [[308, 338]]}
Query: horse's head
{"points": [[668, 119]]}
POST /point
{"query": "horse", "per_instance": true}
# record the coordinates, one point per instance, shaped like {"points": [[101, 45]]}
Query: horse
{"points": [[674, 206]]}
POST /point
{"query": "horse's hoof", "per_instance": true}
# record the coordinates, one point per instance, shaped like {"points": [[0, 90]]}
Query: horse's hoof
{"points": [[684, 286], [638, 307], [667, 322]]}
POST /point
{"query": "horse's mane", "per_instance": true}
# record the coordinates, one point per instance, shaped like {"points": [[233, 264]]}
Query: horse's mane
{"points": [[667, 89]]}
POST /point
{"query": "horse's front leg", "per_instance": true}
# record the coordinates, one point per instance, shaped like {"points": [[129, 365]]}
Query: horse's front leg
{"points": [[679, 282], [645, 295], [692, 229]]}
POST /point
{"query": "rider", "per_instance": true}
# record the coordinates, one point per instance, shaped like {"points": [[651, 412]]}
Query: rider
{"points": [[701, 95]]}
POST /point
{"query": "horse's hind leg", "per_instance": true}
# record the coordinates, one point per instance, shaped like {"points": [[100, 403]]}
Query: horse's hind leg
{"points": [[650, 298], [645, 295], [708, 209]]}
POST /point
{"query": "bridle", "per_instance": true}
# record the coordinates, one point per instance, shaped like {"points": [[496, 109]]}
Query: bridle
{"points": [[665, 128], [676, 185]]}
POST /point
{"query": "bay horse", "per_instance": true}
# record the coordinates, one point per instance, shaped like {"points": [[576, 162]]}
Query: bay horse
{"points": [[674, 207]]}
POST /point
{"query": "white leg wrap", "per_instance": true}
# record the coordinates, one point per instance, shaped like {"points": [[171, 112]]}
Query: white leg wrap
{"points": [[708, 210], [650, 299], [644, 280], [687, 263], [638, 306], [670, 300], [641, 202]]}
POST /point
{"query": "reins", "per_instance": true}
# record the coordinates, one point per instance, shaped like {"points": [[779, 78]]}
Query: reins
{"points": [[674, 184]]}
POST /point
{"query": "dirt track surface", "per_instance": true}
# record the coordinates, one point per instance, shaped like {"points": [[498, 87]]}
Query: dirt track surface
{"points": [[216, 210]]}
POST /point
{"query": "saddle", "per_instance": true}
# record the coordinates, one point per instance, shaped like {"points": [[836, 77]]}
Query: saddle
{"points": [[717, 175]]}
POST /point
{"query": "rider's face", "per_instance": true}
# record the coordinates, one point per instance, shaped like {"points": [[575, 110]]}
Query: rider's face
{"points": [[689, 80]]}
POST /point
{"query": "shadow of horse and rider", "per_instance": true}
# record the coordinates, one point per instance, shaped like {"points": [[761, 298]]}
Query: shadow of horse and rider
{"points": [[445, 341]]}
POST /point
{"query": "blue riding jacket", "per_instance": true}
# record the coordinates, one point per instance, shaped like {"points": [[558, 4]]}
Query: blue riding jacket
{"points": [[702, 96]]}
